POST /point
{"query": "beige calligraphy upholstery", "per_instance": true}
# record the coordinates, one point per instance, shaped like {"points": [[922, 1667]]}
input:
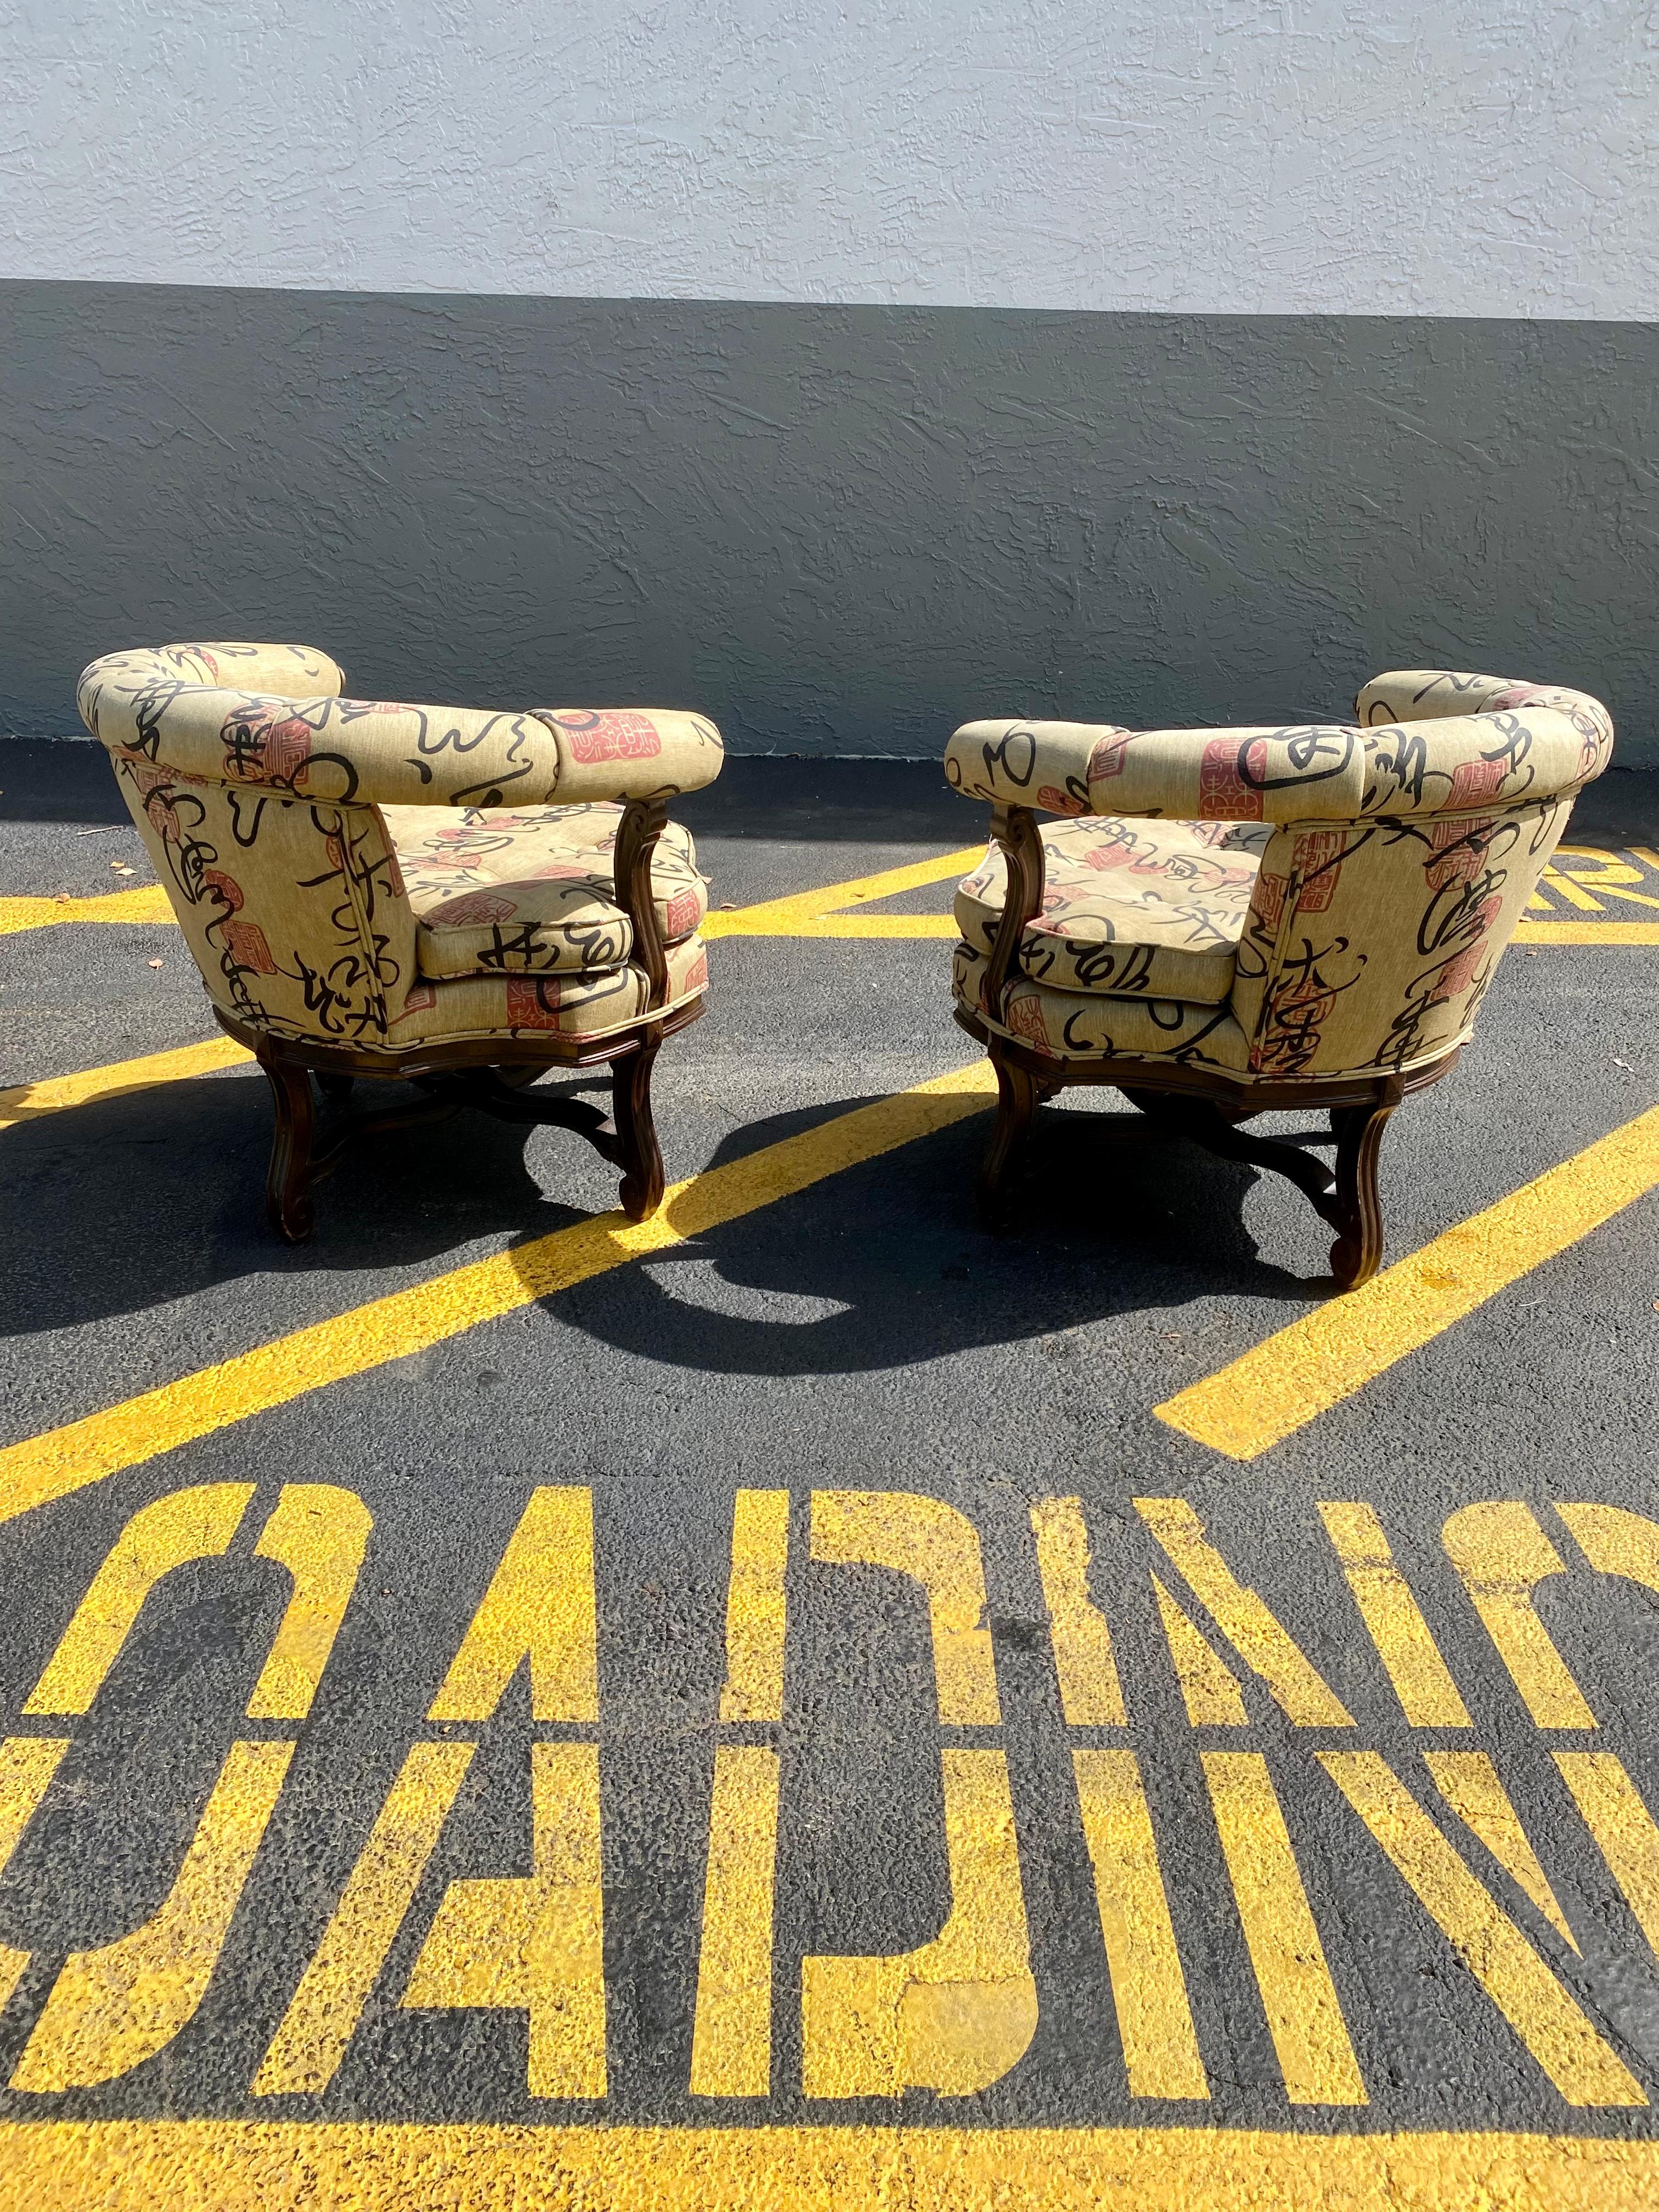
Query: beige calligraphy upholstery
{"points": [[373, 874], [1318, 902]]}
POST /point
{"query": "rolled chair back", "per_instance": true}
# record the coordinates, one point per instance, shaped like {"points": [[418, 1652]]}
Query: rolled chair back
{"points": [[1370, 942], [257, 790]]}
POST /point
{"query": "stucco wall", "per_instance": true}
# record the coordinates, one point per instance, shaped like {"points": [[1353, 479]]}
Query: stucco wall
{"points": [[1445, 157], [832, 528], [1110, 358]]}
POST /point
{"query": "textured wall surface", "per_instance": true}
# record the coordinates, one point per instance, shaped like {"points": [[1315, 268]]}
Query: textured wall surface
{"points": [[1445, 157], [834, 528]]}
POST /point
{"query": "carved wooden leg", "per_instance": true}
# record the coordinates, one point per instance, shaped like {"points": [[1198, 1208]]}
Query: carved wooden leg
{"points": [[641, 1193], [1017, 1096], [287, 1184], [1355, 1204]]}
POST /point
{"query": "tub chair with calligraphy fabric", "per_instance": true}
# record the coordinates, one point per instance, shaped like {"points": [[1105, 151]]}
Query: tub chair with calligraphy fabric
{"points": [[1229, 921], [453, 896]]}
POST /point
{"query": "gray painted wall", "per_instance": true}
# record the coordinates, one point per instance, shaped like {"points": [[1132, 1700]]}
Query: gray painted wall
{"points": [[835, 528], [1459, 157]]}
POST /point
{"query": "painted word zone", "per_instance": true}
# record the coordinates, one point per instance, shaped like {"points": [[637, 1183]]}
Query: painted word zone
{"points": [[1079, 1807]]}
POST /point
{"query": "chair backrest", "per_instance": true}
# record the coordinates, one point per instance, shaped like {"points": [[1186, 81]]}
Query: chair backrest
{"points": [[1405, 847], [1371, 942], [257, 790]]}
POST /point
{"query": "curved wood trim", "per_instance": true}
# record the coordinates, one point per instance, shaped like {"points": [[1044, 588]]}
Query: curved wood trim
{"points": [[489, 1074], [1243, 1094], [1206, 1105], [1018, 834], [536, 1053], [643, 823]]}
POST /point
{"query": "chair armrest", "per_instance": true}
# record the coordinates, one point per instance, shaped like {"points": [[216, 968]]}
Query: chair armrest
{"points": [[643, 823], [1309, 773], [158, 673], [1017, 834], [187, 708], [650, 752]]}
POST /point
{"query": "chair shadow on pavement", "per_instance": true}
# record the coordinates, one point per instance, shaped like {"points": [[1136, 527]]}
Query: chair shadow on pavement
{"points": [[885, 1264], [106, 1212]]}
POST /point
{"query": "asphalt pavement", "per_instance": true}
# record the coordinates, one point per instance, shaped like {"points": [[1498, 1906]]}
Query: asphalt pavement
{"points": [[1018, 1766]]}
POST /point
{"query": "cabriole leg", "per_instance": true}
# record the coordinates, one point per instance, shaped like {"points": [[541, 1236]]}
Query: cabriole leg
{"points": [[1357, 1206], [287, 1184], [1017, 1098], [641, 1193]]}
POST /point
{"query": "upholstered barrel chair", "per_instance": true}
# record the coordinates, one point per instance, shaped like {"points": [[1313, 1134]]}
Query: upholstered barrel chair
{"points": [[1231, 921], [450, 896]]}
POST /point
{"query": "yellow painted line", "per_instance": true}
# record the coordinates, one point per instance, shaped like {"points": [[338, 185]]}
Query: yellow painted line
{"points": [[938, 1546], [323, 2014], [1303, 1370], [1583, 2066], [1090, 1695], [539, 1607], [1243, 1617], [942, 926], [807, 913], [1209, 1689], [67, 1458], [202, 2165], [535, 1942], [956, 2013], [28, 1102], [731, 2036], [756, 1617], [196, 1523], [147, 903], [1405, 1644], [113, 2007], [1468, 1782], [1161, 2056], [1623, 1830], [27, 1764], [1303, 2013], [1587, 932]]}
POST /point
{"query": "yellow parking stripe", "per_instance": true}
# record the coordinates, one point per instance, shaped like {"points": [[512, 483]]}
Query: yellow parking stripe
{"points": [[67, 1458], [816, 914], [28, 1102], [147, 903], [1587, 932], [133, 2166], [1302, 1371]]}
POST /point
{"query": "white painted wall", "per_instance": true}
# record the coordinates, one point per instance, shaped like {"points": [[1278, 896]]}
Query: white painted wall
{"points": [[1486, 157]]}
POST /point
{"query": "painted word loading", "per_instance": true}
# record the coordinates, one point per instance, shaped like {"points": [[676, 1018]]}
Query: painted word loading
{"points": [[957, 2013]]}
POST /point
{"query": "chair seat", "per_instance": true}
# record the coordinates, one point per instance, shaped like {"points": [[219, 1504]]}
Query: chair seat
{"points": [[1063, 1025], [1143, 909], [533, 891], [588, 1006]]}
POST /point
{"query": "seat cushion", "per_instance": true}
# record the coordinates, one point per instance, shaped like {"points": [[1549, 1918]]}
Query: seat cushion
{"points": [[1131, 909], [1093, 1026], [588, 1006], [532, 891]]}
